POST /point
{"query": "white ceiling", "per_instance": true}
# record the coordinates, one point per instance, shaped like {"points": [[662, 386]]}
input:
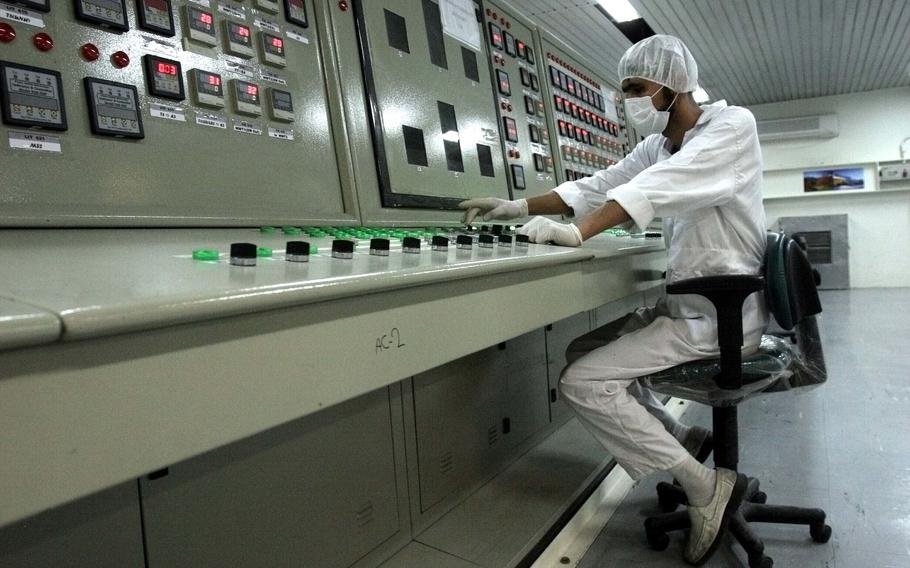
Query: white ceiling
{"points": [[756, 51]]}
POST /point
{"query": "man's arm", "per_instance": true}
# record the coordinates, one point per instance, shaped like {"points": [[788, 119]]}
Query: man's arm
{"points": [[607, 215], [549, 203]]}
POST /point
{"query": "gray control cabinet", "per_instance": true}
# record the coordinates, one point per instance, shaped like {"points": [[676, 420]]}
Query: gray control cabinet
{"points": [[321, 491], [267, 157], [468, 415], [99, 531], [559, 336]]}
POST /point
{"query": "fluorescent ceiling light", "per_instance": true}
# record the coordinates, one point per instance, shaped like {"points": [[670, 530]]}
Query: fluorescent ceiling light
{"points": [[700, 95], [619, 10]]}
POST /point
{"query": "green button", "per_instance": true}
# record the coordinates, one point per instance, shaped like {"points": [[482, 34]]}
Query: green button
{"points": [[291, 231], [263, 252], [205, 254], [267, 230], [313, 249]]}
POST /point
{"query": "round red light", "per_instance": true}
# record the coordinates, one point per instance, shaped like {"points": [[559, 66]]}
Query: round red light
{"points": [[7, 33], [90, 52], [343, 5], [120, 59], [43, 42]]}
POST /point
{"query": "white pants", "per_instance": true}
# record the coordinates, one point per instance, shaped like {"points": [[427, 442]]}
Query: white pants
{"points": [[600, 383]]}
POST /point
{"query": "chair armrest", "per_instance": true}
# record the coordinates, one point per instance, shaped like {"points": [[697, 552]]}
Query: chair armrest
{"points": [[711, 284]]}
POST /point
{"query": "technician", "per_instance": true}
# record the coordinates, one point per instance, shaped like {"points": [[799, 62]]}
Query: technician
{"points": [[700, 170]]}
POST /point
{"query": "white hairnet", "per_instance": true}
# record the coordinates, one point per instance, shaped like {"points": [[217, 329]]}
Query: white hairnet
{"points": [[663, 59]]}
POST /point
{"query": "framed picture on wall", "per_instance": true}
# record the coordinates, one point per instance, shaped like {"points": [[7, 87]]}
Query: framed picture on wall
{"points": [[833, 180]]}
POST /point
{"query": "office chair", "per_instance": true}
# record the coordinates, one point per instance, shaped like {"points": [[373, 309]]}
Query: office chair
{"points": [[786, 361]]}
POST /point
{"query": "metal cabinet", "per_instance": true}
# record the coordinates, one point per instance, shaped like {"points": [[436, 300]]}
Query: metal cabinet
{"points": [[559, 336]]}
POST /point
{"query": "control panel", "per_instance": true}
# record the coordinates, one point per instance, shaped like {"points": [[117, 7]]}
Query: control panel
{"points": [[434, 127], [168, 112], [586, 114], [526, 135]]}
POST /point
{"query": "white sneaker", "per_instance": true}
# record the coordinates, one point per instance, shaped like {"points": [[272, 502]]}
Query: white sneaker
{"points": [[709, 522]]}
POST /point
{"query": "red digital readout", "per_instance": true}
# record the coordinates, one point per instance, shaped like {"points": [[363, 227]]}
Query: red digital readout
{"points": [[205, 18], [157, 5], [214, 80], [497, 38], [252, 90], [297, 3], [166, 68], [277, 42], [243, 31]]}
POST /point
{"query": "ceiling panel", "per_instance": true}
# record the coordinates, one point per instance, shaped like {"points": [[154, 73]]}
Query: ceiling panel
{"points": [[755, 51]]}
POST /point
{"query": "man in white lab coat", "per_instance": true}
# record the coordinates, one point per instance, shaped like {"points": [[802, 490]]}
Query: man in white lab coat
{"points": [[700, 169]]}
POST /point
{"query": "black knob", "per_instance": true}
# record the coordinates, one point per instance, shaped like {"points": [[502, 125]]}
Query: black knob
{"points": [[505, 240], [412, 244], [440, 243], [342, 248], [497, 229], [297, 251], [486, 241], [243, 254], [464, 241], [484, 228], [379, 247], [522, 240]]}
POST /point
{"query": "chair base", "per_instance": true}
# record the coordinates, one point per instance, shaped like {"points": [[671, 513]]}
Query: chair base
{"points": [[752, 510]]}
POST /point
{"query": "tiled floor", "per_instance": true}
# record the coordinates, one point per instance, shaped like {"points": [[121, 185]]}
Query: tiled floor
{"points": [[844, 447]]}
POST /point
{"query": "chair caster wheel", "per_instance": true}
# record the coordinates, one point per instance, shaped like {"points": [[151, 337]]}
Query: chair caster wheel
{"points": [[760, 497], [761, 562], [658, 540], [820, 533]]}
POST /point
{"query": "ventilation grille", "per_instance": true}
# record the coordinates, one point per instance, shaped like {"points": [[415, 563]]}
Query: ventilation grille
{"points": [[493, 435], [365, 514], [447, 463], [818, 246], [823, 126]]}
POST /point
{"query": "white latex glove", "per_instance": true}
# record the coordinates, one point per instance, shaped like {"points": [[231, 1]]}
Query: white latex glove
{"points": [[493, 208], [542, 231]]}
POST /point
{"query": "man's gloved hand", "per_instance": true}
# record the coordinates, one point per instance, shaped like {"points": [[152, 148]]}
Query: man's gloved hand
{"points": [[542, 230], [493, 208]]}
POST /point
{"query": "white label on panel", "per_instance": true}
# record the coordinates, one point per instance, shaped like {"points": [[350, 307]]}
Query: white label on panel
{"points": [[21, 15], [35, 142], [211, 120], [167, 112], [271, 77], [297, 36], [610, 105], [237, 12], [153, 45], [267, 25], [281, 133], [460, 21], [247, 127], [241, 69], [206, 3]]}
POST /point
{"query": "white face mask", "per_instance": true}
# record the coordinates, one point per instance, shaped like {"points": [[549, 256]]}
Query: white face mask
{"points": [[645, 117]]}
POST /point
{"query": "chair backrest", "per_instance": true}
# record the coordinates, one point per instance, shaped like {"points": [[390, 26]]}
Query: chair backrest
{"points": [[790, 286]]}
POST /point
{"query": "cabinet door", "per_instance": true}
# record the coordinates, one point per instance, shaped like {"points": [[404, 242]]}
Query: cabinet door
{"points": [[319, 491], [522, 364], [559, 336]]}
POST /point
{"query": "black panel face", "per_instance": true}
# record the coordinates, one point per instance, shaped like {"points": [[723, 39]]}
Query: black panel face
{"points": [[415, 146], [40, 5], [397, 29], [495, 36], [509, 41], [108, 13], [502, 82], [469, 58], [534, 133], [530, 106], [295, 12], [518, 177], [32, 97], [450, 137], [435, 38], [156, 16], [510, 128], [113, 108], [485, 154], [164, 77]]}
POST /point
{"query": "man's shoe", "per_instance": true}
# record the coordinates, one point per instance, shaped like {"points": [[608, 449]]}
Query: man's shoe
{"points": [[710, 521], [699, 443]]}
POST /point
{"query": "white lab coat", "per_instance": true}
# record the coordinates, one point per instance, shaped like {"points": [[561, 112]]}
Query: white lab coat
{"points": [[709, 196]]}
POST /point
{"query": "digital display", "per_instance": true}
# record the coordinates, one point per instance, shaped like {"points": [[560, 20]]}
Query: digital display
{"points": [[534, 132], [246, 97], [113, 108], [109, 13], [511, 129], [554, 76], [40, 5], [281, 105], [535, 85], [502, 79], [164, 77], [156, 16], [201, 25], [295, 12], [238, 38], [509, 42], [208, 88], [521, 47], [495, 36], [530, 107], [529, 54], [239, 33], [32, 96], [525, 77]]}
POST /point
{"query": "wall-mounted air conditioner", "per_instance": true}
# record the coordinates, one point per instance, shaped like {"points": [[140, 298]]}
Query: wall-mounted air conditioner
{"points": [[823, 126]]}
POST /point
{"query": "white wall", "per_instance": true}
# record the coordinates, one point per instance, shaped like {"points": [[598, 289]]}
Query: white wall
{"points": [[872, 126]]}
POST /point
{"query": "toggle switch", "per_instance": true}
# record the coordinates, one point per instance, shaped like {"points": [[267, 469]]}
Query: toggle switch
{"points": [[505, 241], [464, 242], [342, 249], [411, 245], [297, 251], [379, 247], [440, 243], [522, 240], [486, 241], [243, 254]]}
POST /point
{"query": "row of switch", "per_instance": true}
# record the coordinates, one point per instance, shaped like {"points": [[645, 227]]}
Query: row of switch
{"points": [[504, 84], [586, 158], [514, 47], [238, 38], [586, 137], [575, 88], [569, 108], [246, 254]]}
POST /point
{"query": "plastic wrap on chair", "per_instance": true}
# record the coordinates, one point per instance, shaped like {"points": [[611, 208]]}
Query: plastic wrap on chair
{"points": [[778, 365]]}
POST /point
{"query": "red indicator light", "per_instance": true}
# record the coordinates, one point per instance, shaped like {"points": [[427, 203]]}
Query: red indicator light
{"points": [[120, 59], [277, 42], [243, 31], [90, 52], [205, 18], [166, 68], [497, 38], [7, 33], [252, 90], [43, 42], [214, 80]]}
